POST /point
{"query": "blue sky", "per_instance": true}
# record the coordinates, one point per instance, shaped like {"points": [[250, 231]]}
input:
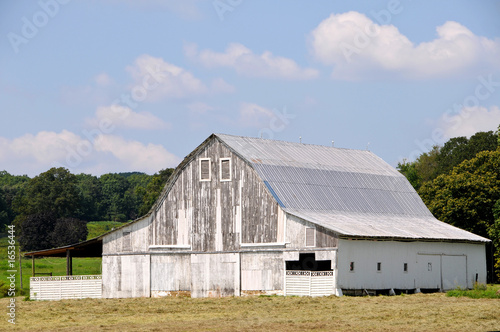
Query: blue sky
{"points": [[114, 86]]}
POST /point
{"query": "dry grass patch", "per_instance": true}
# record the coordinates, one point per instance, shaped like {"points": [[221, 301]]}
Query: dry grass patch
{"points": [[421, 312]]}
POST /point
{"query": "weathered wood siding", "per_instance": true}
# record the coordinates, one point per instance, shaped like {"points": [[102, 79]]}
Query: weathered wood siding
{"points": [[216, 215], [262, 271], [137, 238], [325, 238], [296, 234], [215, 275], [170, 273], [125, 276]]}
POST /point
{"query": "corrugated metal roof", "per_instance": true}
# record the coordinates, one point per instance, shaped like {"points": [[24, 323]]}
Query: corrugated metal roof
{"points": [[351, 192], [385, 225]]}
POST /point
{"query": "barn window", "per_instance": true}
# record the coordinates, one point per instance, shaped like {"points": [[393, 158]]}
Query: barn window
{"points": [[379, 266], [225, 169], [310, 237], [351, 267], [429, 266], [126, 244], [405, 267], [205, 174]]}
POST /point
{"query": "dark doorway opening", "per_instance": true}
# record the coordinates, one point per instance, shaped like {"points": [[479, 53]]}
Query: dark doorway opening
{"points": [[308, 262]]}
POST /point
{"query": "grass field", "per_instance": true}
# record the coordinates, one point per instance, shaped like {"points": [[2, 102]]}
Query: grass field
{"points": [[97, 228], [480, 291], [45, 265], [54, 265], [419, 312]]}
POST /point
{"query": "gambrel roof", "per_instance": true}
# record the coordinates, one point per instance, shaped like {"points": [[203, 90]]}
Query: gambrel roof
{"points": [[353, 193]]}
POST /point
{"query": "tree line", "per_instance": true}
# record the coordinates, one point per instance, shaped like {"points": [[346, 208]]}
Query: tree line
{"points": [[458, 181], [460, 184], [52, 209]]}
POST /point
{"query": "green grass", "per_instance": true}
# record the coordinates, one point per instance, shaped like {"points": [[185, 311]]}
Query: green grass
{"points": [[480, 291], [55, 265], [43, 267], [97, 228], [419, 312]]}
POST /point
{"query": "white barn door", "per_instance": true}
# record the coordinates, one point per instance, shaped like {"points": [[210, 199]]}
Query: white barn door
{"points": [[429, 271], [215, 275], [454, 271], [440, 271]]}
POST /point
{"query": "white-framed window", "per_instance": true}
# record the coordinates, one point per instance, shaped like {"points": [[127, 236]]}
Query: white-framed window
{"points": [[126, 242], [351, 267], [405, 267], [379, 266], [310, 237], [225, 169], [205, 169], [429, 266]]}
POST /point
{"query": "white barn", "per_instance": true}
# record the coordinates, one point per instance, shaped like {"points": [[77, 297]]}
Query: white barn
{"points": [[246, 215]]}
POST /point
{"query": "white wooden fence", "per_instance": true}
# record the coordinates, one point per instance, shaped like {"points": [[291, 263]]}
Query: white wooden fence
{"points": [[309, 283], [65, 287]]}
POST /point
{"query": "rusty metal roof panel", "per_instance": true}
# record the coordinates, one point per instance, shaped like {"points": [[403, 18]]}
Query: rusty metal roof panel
{"points": [[352, 192]]}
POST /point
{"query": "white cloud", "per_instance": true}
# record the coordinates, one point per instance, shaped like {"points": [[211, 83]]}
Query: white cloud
{"points": [[470, 120], [220, 86], [253, 115], [135, 155], [32, 154], [121, 116], [103, 79], [42, 148], [359, 48], [246, 63], [156, 79]]}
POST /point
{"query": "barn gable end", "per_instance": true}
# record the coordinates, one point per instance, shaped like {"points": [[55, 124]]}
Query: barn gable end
{"points": [[217, 214]]}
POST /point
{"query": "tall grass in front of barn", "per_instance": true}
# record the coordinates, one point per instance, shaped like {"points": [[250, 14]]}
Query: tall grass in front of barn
{"points": [[480, 291]]}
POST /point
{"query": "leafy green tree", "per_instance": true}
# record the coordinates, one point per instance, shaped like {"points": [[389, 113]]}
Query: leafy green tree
{"points": [[138, 184], [409, 170], [465, 197], [451, 154], [422, 170], [90, 193], [427, 165], [4, 208], [10, 186], [68, 231], [37, 231], [441, 160], [53, 191], [498, 134], [153, 190], [8, 180], [469, 197], [115, 204], [459, 149], [41, 204], [138, 180], [494, 233], [43, 231]]}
